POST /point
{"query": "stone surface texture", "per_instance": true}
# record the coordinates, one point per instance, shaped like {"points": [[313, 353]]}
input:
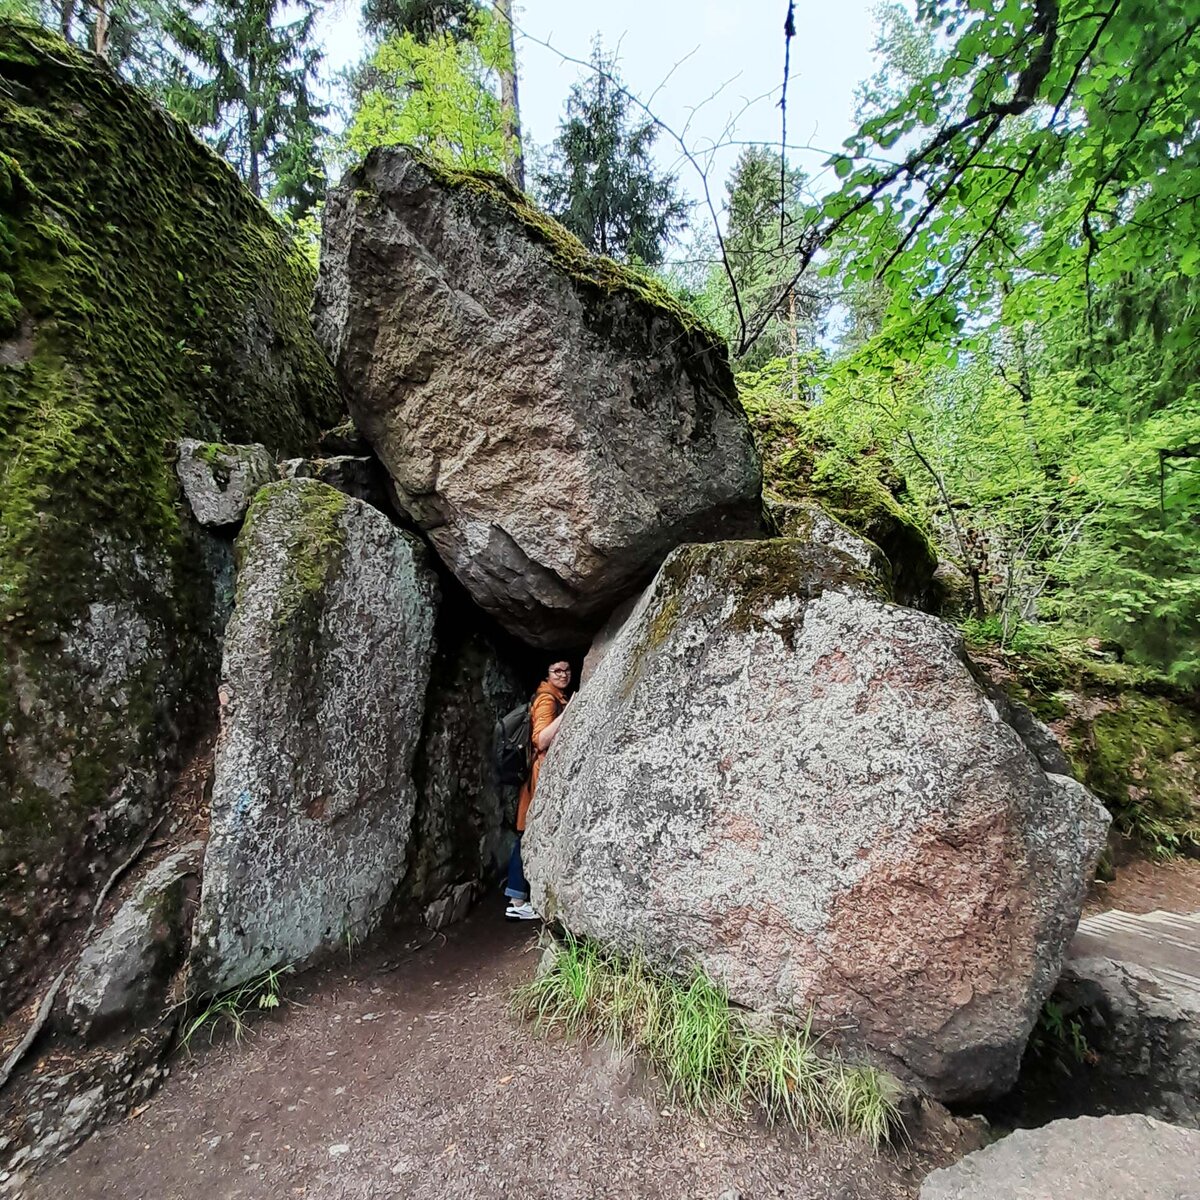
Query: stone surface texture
{"points": [[555, 424], [323, 688], [152, 297], [462, 831], [219, 480], [807, 521], [1134, 984], [360, 476], [1089, 1158], [126, 969], [777, 775]]}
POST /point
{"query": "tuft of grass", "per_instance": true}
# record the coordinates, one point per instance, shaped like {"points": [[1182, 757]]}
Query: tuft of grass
{"points": [[709, 1055], [232, 1009]]}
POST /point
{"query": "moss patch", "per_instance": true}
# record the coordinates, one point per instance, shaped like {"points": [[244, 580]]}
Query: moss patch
{"points": [[314, 543], [1141, 756], [865, 493], [1131, 737], [754, 575], [145, 295]]}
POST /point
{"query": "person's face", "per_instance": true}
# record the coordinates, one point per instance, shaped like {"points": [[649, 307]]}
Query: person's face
{"points": [[559, 674]]}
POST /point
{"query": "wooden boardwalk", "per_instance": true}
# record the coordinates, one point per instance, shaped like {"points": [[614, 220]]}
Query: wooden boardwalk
{"points": [[1165, 944]]}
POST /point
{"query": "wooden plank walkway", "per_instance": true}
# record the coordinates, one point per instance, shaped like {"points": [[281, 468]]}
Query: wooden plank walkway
{"points": [[1165, 944]]}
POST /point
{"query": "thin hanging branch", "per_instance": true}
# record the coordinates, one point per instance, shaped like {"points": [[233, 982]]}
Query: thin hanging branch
{"points": [[789, 32]]}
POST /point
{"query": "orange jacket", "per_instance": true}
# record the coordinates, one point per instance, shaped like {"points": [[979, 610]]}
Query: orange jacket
{"points": [[548, 701]]}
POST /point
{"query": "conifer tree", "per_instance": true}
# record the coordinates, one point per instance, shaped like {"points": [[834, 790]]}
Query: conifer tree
{"points": [[246, 85], [600, 181]]}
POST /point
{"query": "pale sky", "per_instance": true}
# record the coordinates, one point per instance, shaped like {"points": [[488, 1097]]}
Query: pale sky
{"points": [[733, 49]]}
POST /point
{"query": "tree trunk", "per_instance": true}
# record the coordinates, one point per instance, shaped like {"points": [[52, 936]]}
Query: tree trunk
{"points": [[100, 30], [795, 350], [253, 180], [67, 18], [509, 103]]}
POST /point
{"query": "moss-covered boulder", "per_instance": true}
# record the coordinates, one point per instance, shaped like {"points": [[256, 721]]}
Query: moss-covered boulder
{"points": [[145, 296], [863, 491], [778, 776], [323, 683]]}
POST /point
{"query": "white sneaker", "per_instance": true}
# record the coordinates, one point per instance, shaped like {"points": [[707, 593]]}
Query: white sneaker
{"points": [[521, 912]]}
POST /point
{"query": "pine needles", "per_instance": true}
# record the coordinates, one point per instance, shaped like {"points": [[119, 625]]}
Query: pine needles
{"points": [[709, 1055]]}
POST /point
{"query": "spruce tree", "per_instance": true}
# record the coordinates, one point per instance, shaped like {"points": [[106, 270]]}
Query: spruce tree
{"points": [[246, 85], [600, 181], [424, 19]]}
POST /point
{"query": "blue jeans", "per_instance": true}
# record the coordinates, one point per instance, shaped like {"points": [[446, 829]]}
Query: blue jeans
{"points": [[518, 885]]}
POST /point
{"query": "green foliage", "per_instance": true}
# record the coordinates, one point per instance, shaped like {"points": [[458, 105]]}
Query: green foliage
{"points": [[709, 1055], [814, 454], [246, 82], [437, 93], [600, 181], [232, 1011], [1023, 294], [423, 19], [1060, 1038], [764, 201]]}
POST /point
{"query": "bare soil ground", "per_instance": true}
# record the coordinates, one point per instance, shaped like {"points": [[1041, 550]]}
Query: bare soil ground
{"points": [[1143, 885], [403, 1074]]}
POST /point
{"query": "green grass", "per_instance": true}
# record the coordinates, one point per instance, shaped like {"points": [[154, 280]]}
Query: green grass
{"points": [[231, 1010], [710, 1055]]}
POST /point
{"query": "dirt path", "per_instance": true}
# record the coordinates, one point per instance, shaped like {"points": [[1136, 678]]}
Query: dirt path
{"points": [[416, 1082], [1143, 885]]}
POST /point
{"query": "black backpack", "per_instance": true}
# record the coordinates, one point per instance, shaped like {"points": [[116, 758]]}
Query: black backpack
{"points": [[514, 746]]}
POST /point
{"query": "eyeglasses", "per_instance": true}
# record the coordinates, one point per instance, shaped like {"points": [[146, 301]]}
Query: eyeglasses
{"points": [[560, 671]]}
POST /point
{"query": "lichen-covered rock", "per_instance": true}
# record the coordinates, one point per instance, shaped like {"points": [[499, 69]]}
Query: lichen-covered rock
{"points": [[323, 686], [780, 777], [128, 966], [464, 819], [360, 476], [145, 296], [555, 423], [809, 522], [219, 480], [1091, 1158]]}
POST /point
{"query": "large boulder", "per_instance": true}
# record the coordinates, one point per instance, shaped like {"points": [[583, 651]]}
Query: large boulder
{"points": [[1091, 1158], [778, 776], [145, 296], [556, 424], [326, 665]]}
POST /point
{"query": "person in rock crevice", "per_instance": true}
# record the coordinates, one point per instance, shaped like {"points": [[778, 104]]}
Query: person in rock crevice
{"points": [[545, 716]]}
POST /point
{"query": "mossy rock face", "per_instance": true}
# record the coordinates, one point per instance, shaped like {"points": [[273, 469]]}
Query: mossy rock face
{"points": [[1134, 740], [865, 492], [144, 296], [1141, 755]]}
